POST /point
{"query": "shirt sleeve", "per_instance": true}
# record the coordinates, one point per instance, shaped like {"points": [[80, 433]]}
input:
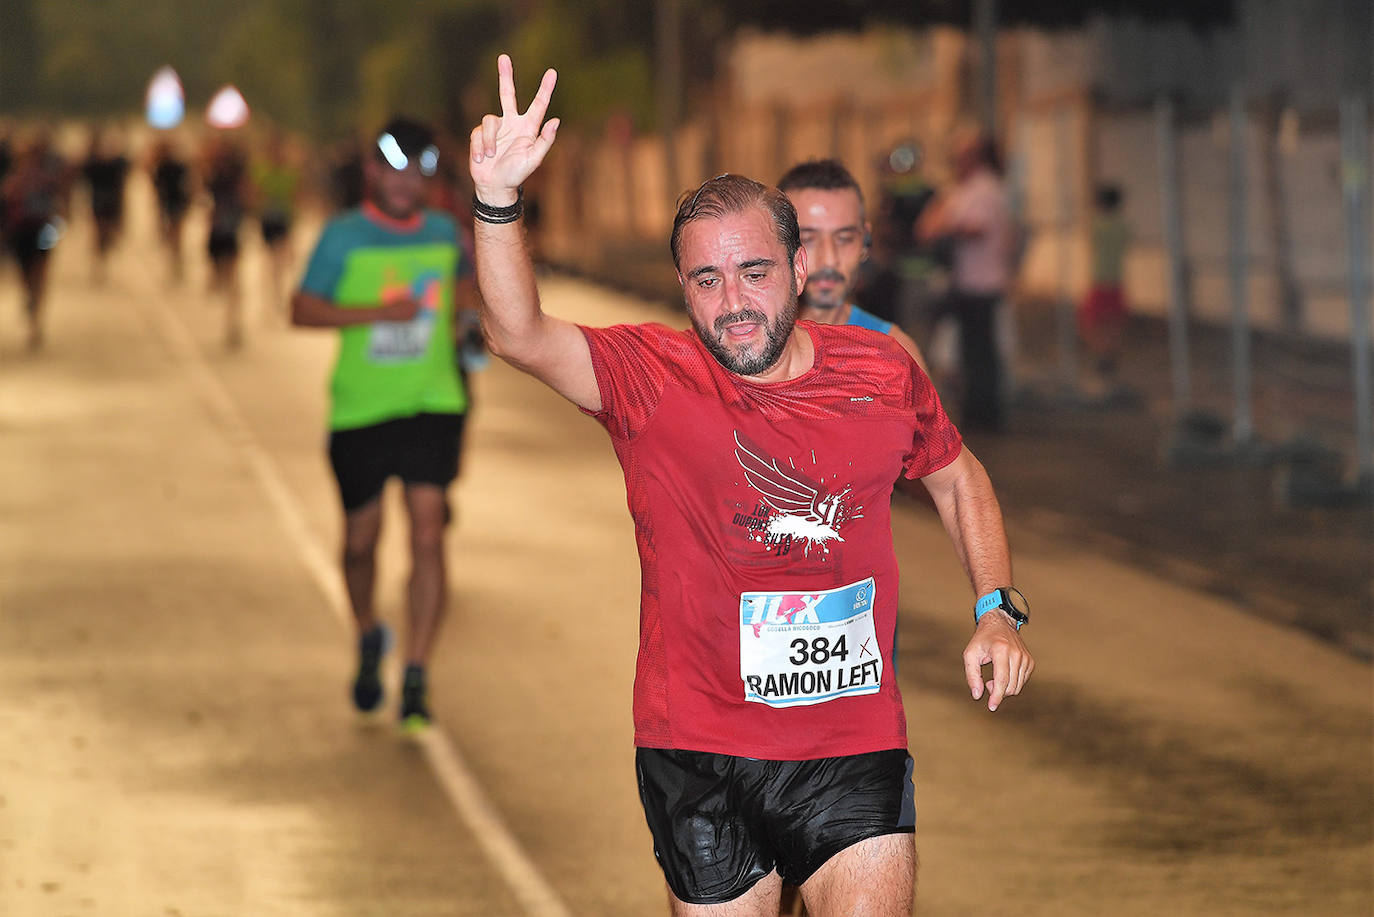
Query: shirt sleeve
{"points": [[325, 268], [936, 441], [630, 374]]}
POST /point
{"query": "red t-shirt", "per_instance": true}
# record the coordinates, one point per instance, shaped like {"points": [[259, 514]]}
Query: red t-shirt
{"points": [[762, 515]]}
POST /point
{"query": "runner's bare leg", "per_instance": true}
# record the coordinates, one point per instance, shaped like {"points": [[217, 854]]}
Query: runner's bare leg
{"points": [[428, 580], [35, 284], [759, 901], [233, 307], [362, 527], [873, 878]]}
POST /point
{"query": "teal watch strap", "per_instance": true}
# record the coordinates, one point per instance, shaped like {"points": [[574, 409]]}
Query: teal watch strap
{"points": [[1002, 598], [987, 603]]}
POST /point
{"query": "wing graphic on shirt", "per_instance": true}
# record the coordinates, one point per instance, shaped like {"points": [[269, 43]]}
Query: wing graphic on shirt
{"points": [[784, 491]]}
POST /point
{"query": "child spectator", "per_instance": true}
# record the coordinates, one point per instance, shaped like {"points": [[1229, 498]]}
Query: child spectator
{"points": [[1102, 315]]}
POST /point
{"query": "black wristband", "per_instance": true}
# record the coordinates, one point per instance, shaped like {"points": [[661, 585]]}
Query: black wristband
{"points": [[489, 214]]}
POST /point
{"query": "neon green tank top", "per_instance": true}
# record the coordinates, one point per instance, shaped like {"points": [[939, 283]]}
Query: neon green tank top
{"points": [[389, 370]]}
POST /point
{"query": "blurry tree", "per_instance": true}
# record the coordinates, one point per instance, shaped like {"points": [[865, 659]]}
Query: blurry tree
{"points": [[96, 58], [324, 66], [18, 54], [266, 52], [308, 63], [601, 49], [425, 63]]}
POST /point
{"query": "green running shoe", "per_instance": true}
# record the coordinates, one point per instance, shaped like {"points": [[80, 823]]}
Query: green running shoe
{"points": [[414, 707]]}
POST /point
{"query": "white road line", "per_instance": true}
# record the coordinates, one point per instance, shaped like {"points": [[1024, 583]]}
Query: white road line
{"points": [[460, 785]]}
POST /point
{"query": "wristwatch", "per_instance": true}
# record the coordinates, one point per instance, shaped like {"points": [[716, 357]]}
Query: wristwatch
{"points": [[1009, 599]]}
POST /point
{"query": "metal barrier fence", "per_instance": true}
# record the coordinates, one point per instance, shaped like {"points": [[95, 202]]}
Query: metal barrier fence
{"points": [[1249, 216]]}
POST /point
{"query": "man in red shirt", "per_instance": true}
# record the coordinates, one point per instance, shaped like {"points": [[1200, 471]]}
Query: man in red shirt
{"points": [[759, 455]]}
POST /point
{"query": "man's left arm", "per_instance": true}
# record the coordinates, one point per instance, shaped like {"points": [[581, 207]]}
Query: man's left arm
{"points": [[969, 510]]}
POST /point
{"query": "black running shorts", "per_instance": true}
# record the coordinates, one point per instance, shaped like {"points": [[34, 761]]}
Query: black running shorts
{"points": [[223, 244], [275, 227], [720, 823], [26, 241], [419, 450]]}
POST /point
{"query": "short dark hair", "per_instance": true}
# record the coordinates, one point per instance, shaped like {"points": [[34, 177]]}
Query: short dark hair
{"points": [[1108, 197], [411, 135], [728, 194], [820, 175]]}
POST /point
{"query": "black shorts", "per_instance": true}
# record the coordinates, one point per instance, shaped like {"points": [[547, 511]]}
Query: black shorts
{"points": [[110, 213], [173, 206], [720, 823], [275, 227], [223, 244], [419, 450], [26, 241]]}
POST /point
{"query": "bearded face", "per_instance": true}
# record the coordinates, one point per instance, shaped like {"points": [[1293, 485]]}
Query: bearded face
{"points": [[741, 288], [751, 356], [835, 236]]}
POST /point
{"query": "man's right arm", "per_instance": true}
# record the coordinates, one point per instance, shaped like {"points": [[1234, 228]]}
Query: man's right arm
{"points": [[313, 306], [309, 310], [505, 151]]}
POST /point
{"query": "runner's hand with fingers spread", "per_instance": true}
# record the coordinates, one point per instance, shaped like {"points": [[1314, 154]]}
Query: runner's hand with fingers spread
{"points": [[505, 150], [996, 641]]}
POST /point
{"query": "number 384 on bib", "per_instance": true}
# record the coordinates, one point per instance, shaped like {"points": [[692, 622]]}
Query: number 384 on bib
{"points": [[799, 648]]}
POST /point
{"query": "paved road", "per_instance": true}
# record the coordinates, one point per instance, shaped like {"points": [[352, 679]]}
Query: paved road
{"points": [[174, 736]]}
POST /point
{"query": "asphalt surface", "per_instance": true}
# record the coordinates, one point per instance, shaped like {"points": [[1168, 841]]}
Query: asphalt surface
{"points": [[175, 736], [1255, 526]]}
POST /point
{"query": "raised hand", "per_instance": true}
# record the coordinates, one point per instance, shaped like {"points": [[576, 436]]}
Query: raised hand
{"points": [[505, 150]]}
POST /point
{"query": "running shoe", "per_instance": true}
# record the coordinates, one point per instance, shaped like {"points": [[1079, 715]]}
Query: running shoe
{"points": [[367, 687], [414, 707]]}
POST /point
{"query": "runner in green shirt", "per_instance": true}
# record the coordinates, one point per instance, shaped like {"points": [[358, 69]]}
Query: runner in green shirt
{"points": [[276, 183], [386, 275]]}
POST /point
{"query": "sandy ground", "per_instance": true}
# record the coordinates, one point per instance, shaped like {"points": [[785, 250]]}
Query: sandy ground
{"points": [[175, 739]]}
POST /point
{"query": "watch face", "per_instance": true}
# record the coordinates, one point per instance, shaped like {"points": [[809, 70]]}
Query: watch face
{"points": [[1015, 604]]}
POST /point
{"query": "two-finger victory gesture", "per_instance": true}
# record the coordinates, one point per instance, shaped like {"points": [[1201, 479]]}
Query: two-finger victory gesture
{"points": [[506, 149]]}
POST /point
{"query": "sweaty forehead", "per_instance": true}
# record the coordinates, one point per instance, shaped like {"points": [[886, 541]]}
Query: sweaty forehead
{"points": [[826, 209], [730, 240]]}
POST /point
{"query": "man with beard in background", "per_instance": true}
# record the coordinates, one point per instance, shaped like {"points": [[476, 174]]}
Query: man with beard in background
{"points": [[836, 235]]}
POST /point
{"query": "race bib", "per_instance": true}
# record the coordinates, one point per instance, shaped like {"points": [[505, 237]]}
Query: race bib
{"points": [[403, 342], [799, 648], [400, 342]]}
